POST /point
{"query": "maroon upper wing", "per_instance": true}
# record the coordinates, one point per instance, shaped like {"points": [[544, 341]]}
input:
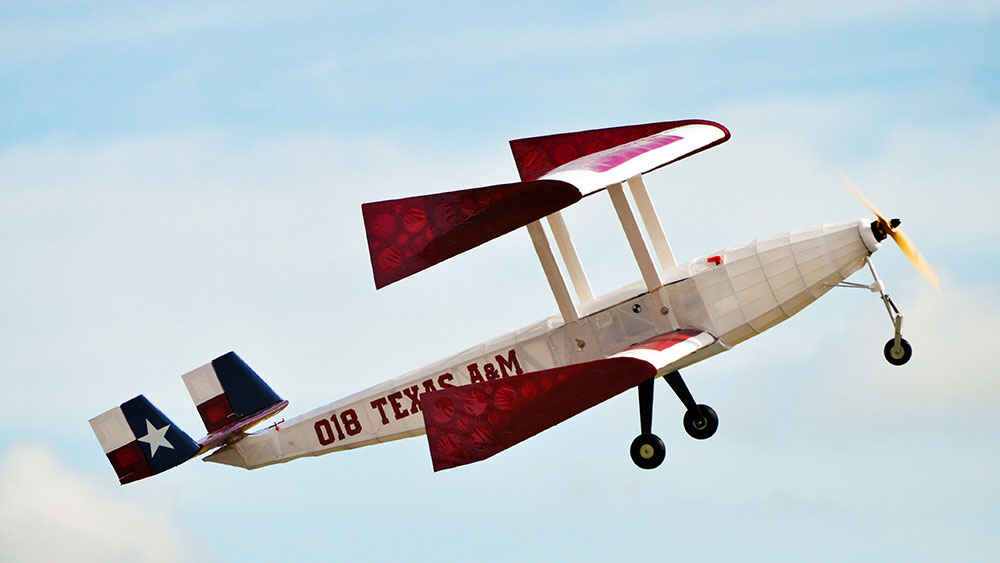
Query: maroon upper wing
{"points": [[411, 234]]}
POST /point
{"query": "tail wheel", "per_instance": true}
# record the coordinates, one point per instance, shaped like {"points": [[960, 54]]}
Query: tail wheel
{"points": [[897, 355], [648, 451], [701, 427]]}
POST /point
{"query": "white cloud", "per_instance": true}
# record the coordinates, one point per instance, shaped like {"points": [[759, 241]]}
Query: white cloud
{"points": [[50, 512]]}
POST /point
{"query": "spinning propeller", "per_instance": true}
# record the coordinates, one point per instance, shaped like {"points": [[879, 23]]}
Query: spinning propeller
{"points": [[891, 227]]}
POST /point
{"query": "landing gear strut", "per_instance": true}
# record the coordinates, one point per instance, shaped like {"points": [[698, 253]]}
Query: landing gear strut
{"points": [[700, 422], [897, 350], [647, 450]]}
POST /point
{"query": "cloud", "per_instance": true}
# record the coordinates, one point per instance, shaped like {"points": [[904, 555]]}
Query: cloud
{"points": [[50, 512]]}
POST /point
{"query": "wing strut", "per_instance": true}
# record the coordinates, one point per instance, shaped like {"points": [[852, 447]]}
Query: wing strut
{"points": [[652, 222], [642, 257], [570, 258], [552, 273]]}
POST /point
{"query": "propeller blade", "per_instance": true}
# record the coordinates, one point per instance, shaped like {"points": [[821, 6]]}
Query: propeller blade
{"points": [[857, 193], [911, 252], [908, 248]]}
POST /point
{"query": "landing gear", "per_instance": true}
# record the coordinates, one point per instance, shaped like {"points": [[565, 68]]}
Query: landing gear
{"points": [[700, 422], [897, 350], [704, 426], [648, 451], [897, 353]]}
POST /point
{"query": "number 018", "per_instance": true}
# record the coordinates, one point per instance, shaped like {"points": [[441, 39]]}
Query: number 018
{"points": [[347, 421]]}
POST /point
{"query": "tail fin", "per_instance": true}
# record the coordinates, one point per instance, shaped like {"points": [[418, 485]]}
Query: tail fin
{"points": [[230, 397], [140, 441]]}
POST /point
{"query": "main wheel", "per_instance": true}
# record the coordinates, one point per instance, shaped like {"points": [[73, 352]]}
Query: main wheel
{"points": [[897, 355], [701, 428], [648, 451]]}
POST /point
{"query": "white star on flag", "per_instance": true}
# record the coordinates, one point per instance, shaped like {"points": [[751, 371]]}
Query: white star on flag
{"points": [[156, 437]]}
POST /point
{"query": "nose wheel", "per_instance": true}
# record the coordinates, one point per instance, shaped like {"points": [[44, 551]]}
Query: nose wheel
{"points": [[897, 353], [897, 350]]}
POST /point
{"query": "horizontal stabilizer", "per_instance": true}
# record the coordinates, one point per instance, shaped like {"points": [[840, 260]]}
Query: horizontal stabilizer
{"points": [[140, 441], [473, 422], [592, 160], [411, 234], [230, 397]]}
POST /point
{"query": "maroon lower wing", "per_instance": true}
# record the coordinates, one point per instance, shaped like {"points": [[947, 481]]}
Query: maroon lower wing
{"points": [[473, 422]]}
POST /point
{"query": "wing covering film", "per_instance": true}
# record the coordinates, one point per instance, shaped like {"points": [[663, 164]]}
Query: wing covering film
{"points": [[411, 234], [472, 422], [594, 159]]}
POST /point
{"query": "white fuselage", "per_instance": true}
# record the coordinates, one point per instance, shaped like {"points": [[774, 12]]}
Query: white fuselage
{"points": [[750, 288]]}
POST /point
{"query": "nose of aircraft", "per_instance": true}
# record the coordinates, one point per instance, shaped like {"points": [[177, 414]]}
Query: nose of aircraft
{"points": [[883, 227]]}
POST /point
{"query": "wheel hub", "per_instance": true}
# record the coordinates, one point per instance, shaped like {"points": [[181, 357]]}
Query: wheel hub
{"points": [[646, 451]]}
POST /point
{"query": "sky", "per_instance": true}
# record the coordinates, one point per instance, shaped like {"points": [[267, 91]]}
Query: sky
{"points": [[179, 180]]}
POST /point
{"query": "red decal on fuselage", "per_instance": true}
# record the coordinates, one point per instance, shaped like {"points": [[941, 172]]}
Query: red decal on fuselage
{"points": [[504, 366], [509, 362], [397, 409], [474, 374], [380, 405], [327, 434], [413, 394]]}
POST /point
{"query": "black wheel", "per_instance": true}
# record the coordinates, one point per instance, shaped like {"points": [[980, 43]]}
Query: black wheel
{"points": [[701, 428], [897, 356], [648, 451]]}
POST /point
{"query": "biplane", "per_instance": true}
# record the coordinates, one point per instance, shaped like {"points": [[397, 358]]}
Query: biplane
{"points": [[494, 395]]}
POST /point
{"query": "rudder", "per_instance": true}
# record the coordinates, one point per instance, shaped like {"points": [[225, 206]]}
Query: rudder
{"points": [[230, 397], [140, 441]]}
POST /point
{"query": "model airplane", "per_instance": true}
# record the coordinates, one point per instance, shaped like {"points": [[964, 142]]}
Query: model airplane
{"points": [[495, 395]]}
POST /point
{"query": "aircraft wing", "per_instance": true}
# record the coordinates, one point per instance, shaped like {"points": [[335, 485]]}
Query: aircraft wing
{"points": [[593, 160], [473, 422], [411, 234]]}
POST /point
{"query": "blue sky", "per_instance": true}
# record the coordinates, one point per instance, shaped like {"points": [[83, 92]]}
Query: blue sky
{"points": [[180, 181]]}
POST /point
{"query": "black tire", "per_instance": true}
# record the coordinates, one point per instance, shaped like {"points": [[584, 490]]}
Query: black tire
{"points": [[648, 451], [900, 355], [701, 428]]}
